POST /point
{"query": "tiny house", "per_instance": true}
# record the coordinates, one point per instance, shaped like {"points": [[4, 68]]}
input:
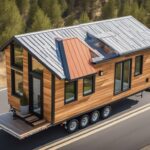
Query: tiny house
{"points": [[72, 75]]}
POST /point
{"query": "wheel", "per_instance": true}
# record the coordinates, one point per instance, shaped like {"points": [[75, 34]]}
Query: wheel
{"points": [[72, 125], [106, 111], [84, 121], [95, 115]]}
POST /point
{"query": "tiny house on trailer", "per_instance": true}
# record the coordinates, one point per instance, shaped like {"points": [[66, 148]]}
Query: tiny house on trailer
{"points": [[71, 75]]}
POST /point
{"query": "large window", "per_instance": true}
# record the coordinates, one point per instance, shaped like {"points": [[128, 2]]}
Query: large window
{"points": [[17, 56], [17, 69], [122, 76], [138, 65], [36, 66], [17, 83], [70, 91], [88, 85]]}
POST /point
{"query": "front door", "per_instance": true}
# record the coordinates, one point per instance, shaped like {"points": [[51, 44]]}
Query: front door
{"points": [[36, 96]]}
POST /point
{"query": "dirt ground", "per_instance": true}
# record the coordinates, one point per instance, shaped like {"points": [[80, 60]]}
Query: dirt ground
{"points": [[2, 72]]}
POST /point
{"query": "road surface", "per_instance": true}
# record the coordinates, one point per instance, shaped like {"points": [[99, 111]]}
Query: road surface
{"points": [[132, 134]]}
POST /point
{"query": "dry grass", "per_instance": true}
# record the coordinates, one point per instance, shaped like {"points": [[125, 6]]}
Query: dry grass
{"points": [[2, 72]]}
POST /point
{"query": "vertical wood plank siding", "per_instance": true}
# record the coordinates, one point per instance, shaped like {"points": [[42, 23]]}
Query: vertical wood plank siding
{"points": [[25, 73], [15, 101], [47, 94], [104, 88], [12, 100]]}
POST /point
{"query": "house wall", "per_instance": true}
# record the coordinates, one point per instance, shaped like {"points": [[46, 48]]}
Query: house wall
{"points": [[104, 88], [15, 101]]}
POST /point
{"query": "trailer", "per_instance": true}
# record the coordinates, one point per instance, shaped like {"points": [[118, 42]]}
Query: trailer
{"points": [[72, 75]]}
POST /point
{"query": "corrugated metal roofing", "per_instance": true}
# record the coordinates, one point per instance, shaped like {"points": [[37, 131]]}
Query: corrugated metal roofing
{"points": [[124, 35], [78, 57]]}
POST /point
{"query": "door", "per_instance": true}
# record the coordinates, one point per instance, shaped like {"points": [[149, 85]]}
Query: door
{"points": [[37, 97]]}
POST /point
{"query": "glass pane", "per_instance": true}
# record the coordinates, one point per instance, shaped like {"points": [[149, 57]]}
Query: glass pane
{"points": [[138, 65], [118, 78], [69, 92], [18, 83], [36, 96], [87, 85], [18, 54], [126, 75], [36, 66]]}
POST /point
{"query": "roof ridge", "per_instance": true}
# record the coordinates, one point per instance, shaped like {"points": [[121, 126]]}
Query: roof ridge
{"points": [[73, 26]]}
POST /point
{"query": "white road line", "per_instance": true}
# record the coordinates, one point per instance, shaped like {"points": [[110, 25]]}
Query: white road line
{"points": [[3, 89], [99, 127]]}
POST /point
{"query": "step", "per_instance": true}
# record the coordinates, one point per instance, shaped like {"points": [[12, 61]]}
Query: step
{"points": [[32, 119], [39, 122]]}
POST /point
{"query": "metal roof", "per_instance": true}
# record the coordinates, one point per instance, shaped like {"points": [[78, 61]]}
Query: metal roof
{"points": [[124, 35], [78, 58]]}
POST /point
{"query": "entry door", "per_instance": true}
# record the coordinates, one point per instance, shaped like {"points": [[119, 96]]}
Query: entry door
{"points": [[37, 107]]}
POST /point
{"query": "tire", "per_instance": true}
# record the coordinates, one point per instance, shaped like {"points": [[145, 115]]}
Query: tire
{"points": [[106, 112], [72, 125], [84, 121], [95, 116]]}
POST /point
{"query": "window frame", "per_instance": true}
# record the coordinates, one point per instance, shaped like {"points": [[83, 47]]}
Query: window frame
{"points": [[13, 64], [13, 80], [14, 68], [141, 65], [75, 91], [93, 85], [122, 78]]}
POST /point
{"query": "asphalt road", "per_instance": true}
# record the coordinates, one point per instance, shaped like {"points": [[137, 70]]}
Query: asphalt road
{"points": [[4, 107], [131, 134]]}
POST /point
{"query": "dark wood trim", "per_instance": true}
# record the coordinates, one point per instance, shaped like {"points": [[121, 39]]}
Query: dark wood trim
{"points": [[12, 53], [52, 99], [13, 80], [75, 92], [93, 85], [141, 65], [31, 76]]}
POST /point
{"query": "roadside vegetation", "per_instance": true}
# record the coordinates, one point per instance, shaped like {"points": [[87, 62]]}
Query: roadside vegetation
{"points": [[20, 16]]}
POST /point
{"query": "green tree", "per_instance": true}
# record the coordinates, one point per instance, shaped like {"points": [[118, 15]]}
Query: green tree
{"points": [[32, 11], [56, 17], [11, 22], [40, 21], [23, 6], [147, 5], [109, 10], [84, 18], [126, 10], [63, 5], [46, 6]]}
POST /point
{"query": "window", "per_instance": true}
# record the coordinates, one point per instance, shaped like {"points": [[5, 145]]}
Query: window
{"points": [[70, 91], [36, 66], [138, 65], [17, 69], [17, 56], [122, 76], [88, 85], [17, 83]]}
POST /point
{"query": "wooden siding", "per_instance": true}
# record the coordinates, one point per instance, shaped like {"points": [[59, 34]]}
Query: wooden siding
{"points": [[104, 88], [25, 73], [15, 101], [12, 100], [47, 94]]}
